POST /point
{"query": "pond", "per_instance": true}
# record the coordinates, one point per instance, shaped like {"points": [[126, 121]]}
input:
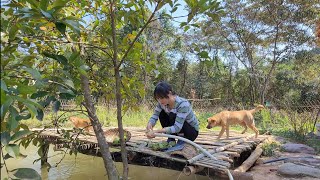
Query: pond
{"points": [[86, 167]]}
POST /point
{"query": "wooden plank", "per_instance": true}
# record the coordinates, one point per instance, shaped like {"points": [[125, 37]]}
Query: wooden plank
{"points": [[156, 153]]}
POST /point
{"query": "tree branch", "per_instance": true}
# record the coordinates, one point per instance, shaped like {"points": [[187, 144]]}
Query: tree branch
{"points": [[139, 33]]}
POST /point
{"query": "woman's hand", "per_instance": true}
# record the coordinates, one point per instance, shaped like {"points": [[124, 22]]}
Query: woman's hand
{"points": [[149, 127], [150, 134]]}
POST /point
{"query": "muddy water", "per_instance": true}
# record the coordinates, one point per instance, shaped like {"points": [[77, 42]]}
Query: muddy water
{"points": [[85, 167]]}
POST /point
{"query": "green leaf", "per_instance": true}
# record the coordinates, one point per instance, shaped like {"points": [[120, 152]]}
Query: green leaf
{"points": [[183, 24], [174, 9], [44, 4], [13, 32], [40, 114], [195, 25], [61, 27], [29, 101], [5, 138], [12, 123], [74, 25], [5, 107], [26, 173], [20, 134], [23, 89], [66, 96], [3, 96], [32, 109], [69, 83], [21, 117], [74, 56], [61, 59], [186, 28], [39, 94], [56, 106], [46, 14], [13, 150], [13, 112], [49, 55], [81, 71], [60, 3], [34, 73], [4, 86], [79, 99], [48, 100], [33, 3], [204, 54]]}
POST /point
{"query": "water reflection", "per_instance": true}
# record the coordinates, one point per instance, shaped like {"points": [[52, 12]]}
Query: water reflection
{"points": [[84, 167]]}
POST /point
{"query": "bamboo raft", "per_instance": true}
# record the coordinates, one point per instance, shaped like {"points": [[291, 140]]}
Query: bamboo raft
{"points": [[230, 153]]}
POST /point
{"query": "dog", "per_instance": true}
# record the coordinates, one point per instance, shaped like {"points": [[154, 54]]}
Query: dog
{"points": [[227, 118], [81, 123]]}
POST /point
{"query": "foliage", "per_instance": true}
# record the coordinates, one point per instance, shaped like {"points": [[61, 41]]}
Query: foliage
{"points": [[49, 53], [160, 146], [242, 56], [269, 149]]}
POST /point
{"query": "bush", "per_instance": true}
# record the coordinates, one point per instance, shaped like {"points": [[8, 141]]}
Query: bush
{"points": [[269, 149]]}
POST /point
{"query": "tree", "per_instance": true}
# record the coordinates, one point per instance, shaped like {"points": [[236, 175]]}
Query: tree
{"points": [[263, 32], [52, 36]]}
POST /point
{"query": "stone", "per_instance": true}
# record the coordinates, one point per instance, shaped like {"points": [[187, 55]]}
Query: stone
{"points": [[298, 148], [314, 161], [293, 170]]}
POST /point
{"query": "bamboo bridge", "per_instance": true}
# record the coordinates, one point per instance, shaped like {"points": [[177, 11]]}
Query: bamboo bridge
{"points": [[235, 153]]}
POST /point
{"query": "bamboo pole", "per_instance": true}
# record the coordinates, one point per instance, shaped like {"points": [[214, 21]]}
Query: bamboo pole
{"points": [[188, 170], [194, 159]]}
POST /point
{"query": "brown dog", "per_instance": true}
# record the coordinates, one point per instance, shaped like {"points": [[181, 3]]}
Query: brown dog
{"points": [[227, 118], [81, 123]]}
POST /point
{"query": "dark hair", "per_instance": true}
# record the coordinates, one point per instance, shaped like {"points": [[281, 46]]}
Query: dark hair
{"points": [[162, 90]]}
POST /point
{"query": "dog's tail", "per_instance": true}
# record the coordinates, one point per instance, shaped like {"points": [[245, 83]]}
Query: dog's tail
{"points": [[258, 108]]}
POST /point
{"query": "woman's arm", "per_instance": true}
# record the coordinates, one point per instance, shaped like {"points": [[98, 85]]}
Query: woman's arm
{"points": [[150, 134]]}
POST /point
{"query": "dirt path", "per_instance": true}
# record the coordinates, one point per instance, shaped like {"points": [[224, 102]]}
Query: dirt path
{"points": [[269, 171]]}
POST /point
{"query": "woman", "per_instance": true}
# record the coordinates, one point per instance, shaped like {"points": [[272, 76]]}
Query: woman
{"points": [[175, 114]]}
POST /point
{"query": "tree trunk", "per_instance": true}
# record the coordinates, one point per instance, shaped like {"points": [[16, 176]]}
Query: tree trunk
{"points": [[184, 71], [120, 126], [274, 62], [104, 147], [118, 92]]}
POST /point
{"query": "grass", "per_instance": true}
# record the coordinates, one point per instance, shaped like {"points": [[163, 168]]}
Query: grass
{"points": [[108, 118], [269, 149]]}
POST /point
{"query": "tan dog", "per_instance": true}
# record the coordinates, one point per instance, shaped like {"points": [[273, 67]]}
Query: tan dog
{"points": [[227, 118], [81, 123]]}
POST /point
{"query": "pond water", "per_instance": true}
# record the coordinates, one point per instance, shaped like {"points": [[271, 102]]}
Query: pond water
{"points": [[86, 167]]}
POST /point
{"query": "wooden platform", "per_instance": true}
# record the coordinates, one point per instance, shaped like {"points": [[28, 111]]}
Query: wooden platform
{"points": [[229, 152]]}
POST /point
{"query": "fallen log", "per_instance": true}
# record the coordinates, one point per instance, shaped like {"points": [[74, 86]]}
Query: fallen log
{"points": [[252, 158]]}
